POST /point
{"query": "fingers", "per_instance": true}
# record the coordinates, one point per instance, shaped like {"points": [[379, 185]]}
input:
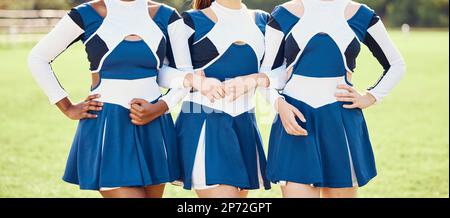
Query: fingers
{"points": [[299, 114], [346, 87], [95, 103], [219, 93], [135, 117], [293, 128], [136, 112], [138, 101], [137, 108], [346, 99], [350, 106], [92, 97], [297, 129], [87, 115]]}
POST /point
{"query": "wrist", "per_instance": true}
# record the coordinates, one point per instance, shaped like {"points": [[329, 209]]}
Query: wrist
{"points": [[372, 99], [278, 102], [64, 105], [262, 80], [188, 80], [163, 106]]}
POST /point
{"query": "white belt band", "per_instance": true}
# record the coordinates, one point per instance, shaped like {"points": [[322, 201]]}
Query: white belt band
{"points": [[121, 92], [243, 104], [316, 92]]}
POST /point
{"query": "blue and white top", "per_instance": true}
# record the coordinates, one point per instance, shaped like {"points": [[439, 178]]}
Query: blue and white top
{"points": [[231, 47], [128, 69], [321, 47]]}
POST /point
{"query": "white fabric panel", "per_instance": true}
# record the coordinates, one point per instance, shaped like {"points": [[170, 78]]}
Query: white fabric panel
{"points": [[179, 37], [199, 170], [323, 17], [278, 77], [124, 19], [316, 92], [225, 32], [398, 66], [273, 41], [171, 78], [121, 92], [53, 44], [241, 105], [173, 97], [271, 96]]}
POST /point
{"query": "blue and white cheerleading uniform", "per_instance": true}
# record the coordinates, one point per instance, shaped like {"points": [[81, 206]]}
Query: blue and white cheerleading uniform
{"points": [[219, 142], [319, 49], [110, 151]]}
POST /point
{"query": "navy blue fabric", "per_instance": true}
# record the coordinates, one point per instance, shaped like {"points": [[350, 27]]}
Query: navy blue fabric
{"points": [[126, 54], [164, 17], [202, 24], [131, 155], [76, 17], [202, 53], [322, 158], [231, 64], [285, 19], [361, 20], [291, 50], [90, 18], [261, 19], [231, 147], [351, 53], [321, 58], [96, 48]]}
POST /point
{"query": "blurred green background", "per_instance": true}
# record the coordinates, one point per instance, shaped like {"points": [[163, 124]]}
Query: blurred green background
{"points": [[409, 129], [424, 13]]}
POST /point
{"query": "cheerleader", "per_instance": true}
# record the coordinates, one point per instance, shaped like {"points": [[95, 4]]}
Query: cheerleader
{"points": [[319, 143], [220, 146], [125, 144]]}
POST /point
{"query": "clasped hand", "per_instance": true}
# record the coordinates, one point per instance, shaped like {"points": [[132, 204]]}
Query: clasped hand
{"points": [[231, 89]]}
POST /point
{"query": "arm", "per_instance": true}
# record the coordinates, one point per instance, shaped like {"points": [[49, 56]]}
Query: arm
{"points": [[179, 67], [273, 65], [383, 49], [68, 31]]}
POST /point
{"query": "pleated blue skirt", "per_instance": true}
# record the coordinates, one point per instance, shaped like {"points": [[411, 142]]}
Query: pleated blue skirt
{"points": [[233, 148], [110, 151], [337, 144]]}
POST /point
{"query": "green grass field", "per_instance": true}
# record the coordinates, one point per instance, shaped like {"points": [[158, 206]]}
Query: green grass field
{"points": [[409, 129]]}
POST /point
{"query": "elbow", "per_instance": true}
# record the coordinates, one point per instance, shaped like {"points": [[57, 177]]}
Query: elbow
{"points": [[31, 61]]}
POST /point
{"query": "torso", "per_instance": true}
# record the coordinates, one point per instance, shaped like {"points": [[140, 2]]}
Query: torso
{"points": [[100, 8], [322, 41], [226, 44], [296, 8], [126, 43]]}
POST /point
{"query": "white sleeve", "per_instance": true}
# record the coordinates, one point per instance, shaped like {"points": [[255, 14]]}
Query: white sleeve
{"points": [[172, 75], [274, 65], [43, 54], [173, 97], [271, 95], [179, 64], [382, 47]]}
